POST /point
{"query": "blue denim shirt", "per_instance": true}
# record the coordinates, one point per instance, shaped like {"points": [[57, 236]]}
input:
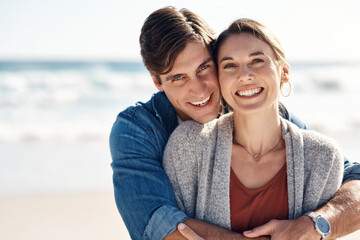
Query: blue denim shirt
{"points": [[143, 193]]}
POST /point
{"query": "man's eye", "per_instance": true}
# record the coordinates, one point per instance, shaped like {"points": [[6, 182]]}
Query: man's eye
{"points": [[177, 78], [202, 68]]}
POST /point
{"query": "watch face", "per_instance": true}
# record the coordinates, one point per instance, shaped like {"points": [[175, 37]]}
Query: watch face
{"points": [[323, 225]]}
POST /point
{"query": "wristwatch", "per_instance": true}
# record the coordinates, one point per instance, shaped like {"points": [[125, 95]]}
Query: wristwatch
{"points": [[322, 225]]}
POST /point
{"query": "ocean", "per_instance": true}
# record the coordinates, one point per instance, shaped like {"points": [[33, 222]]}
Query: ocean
{"points": [[56, 116]]}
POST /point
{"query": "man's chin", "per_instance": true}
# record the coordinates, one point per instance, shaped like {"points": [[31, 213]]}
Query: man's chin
{"points": [[206, 118]]}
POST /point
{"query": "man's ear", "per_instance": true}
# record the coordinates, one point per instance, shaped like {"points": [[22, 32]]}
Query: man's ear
{"points": [[156, 83]]}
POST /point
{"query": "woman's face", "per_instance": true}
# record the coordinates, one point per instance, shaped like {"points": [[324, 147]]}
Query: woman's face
{"points": [[249, 73]]}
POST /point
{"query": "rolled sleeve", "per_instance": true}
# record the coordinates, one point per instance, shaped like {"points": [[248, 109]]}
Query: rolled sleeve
{"points": [[351, 171], [163, 222]]}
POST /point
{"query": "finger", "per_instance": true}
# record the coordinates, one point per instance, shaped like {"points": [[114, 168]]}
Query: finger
{"points": [[263, 230], [188, 233]]}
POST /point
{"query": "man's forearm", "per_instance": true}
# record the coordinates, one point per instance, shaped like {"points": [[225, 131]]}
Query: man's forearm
{"points": [[209, 231], [343, 210]]}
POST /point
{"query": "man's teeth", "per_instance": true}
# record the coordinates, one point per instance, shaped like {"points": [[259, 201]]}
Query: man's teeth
{"points": [[249, 92], [201, 103]]}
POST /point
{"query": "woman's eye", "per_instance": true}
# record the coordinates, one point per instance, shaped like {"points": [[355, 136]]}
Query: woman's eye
{"points": [[258, 60], [229, 65]]}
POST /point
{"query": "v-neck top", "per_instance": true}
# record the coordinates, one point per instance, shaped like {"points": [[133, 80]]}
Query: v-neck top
{"points": [[250, 208]]}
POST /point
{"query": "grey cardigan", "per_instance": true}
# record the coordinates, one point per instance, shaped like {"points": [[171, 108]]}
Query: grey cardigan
{"points": [[197, 161]]}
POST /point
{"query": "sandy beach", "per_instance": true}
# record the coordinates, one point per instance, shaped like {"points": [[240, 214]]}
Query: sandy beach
{"points": [[87, 216], [90, 216]]}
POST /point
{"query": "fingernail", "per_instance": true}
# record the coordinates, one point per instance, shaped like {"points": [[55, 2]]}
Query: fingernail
{"points": [[181, 226], [248, 231]]}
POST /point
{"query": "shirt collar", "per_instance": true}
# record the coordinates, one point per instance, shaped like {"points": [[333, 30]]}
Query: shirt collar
{"points": [[165, 111]]}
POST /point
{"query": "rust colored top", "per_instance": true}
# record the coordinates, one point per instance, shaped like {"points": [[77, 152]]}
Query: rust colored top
{"points": [[250, 208]]}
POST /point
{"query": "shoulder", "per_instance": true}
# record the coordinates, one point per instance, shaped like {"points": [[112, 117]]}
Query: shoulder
{"points": [[194, 131], [155, 114], [188, 133], [191, 138], [133, 119], [319, 143], [138, 112], [315, 145], [141, 125]]}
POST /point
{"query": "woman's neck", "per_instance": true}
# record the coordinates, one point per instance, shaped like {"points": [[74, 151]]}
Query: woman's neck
{"points": [[257, 132]]}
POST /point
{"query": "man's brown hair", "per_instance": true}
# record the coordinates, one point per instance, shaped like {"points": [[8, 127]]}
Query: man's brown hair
{"points": [[165, 34]]}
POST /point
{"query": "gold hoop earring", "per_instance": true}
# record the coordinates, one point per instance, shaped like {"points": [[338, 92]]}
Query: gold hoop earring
{"points": [[290, 89], [222, 101], [223, 108]]}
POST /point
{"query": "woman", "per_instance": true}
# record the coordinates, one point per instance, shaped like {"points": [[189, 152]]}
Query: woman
{"points": [[250, 166]]}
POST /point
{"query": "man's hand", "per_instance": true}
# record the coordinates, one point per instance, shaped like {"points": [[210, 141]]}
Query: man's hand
{"points": [[189, 234], [301, 228]]}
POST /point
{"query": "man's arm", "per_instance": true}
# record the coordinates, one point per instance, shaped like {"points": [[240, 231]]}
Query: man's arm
{"points": [[143, 193], [199, 230], [343, 210]]}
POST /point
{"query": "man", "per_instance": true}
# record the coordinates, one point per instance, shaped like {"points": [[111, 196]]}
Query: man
{"points": [[175, 47]]}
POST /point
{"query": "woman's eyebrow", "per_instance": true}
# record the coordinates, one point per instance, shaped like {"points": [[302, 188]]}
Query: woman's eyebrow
{"points": [[256, 54], [226, 58]]}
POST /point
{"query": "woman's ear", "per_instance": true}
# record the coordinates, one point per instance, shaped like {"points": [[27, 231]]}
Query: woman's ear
{"points": [[285, 74], [157, 83]]}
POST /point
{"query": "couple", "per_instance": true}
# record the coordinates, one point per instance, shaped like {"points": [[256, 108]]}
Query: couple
{"points": [[176, 49]]}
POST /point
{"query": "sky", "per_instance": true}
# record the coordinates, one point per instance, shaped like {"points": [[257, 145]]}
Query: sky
{"points": [[109, 29]]}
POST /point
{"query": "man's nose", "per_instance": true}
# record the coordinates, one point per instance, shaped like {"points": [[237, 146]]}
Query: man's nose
{"points": [[198, 85]]}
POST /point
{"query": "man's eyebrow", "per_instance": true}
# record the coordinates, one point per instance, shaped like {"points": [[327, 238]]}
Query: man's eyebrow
{"points": [[205, 62], [202, 64], [168, 78]]}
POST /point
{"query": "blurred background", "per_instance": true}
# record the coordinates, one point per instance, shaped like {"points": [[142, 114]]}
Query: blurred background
{"points": [[67, 68]]}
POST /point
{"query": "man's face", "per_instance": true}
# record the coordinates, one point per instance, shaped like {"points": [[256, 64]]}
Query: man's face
{"points": [[192, 85]]}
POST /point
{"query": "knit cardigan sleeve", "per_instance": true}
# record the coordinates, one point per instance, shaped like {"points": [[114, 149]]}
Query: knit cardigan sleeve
{"points": [[323, 170], [315, 169], [197, 162], [180, 162]]}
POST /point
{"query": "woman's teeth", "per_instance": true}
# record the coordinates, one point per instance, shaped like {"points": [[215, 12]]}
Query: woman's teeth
{"points": [[249, 93], [201, 103]]}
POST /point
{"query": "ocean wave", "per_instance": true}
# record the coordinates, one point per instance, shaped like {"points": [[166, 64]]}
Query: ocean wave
{"points": [[80, 103]]}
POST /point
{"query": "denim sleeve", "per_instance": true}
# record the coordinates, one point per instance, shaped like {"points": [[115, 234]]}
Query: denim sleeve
{"points": [[143, 193], [351, 169]]}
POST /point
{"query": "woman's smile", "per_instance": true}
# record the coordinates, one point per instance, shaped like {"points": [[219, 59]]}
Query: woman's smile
{"points": [[249, 92]]}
